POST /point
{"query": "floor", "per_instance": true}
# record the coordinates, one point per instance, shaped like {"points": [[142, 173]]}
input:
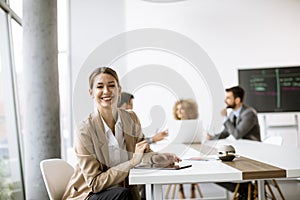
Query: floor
{"points": [[289, 188]]}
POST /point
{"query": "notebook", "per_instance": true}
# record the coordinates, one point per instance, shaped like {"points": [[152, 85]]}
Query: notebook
{"points": [[185, 131]]}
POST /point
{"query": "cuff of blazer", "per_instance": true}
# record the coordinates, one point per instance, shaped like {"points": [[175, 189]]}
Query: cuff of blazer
{"points": [[148, 157]]}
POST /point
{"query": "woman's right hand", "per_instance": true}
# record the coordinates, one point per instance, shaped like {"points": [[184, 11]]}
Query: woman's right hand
{"points": [[140, 148], [208, 136], [160, 136], [165, 158]]}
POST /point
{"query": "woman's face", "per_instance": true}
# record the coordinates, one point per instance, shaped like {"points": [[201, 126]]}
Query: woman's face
{"points": [[105, 91], [180, 112]]}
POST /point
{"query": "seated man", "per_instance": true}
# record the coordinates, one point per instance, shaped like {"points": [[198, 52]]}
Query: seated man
{"points": [[242, 122]]}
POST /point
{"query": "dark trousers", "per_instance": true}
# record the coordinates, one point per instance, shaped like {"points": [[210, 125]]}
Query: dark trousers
{"points": [[243, 189], [227, 185], [116, 193], [231, 186]]}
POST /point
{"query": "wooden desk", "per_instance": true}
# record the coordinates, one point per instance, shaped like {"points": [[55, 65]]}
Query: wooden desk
{"points": [[258, 161], [252, 169]]}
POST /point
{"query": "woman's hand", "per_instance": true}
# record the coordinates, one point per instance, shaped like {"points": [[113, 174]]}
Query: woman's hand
{"points": [[160, 136], [140, 148], [165, 158], [208, 136]]}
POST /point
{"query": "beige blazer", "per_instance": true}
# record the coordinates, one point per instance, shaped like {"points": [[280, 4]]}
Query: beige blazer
{"points": [[92, 174]]}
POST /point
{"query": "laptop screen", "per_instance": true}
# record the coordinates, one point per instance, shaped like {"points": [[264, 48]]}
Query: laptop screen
{"points": [[185, 131]]}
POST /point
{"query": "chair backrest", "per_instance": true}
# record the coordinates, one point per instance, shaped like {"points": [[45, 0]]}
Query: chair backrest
{"points": [[56, 174], [276, 140]]}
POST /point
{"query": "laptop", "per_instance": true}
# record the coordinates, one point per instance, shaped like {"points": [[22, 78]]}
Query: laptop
{"points": [[185, 131]]}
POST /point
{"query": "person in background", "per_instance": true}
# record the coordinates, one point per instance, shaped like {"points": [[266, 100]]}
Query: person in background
{"points": [[241, 123], [108, 143], [126, 102], [185, 109]]}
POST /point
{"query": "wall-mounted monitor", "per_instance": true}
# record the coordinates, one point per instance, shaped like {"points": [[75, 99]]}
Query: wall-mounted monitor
{"points": [[274, 89]]}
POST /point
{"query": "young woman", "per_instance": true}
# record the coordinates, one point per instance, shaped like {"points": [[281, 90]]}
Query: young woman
{"points": [[108, 144]]}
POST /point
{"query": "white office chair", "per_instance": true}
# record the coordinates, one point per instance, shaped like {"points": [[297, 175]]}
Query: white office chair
{"points": [[276, 140], [56, 175]]}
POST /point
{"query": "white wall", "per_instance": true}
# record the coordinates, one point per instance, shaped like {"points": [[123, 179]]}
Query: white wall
{"points": [[91, 23], [234, 34]]}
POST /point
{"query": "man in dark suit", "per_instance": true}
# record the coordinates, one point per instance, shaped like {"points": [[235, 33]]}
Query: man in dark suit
{"points": [[241, 123]]}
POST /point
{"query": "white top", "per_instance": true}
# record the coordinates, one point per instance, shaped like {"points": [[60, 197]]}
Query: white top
{"points": [[116, 144]]}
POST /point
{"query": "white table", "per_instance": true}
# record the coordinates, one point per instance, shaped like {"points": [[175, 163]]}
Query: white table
{"points": [[215, 170]]}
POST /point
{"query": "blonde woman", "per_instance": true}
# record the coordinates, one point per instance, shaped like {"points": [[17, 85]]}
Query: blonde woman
{"points": [[185, 109]]}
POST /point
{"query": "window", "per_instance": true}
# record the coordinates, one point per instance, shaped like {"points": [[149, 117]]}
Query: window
{"points": [[65, 88], [16, 6], [11, 94], [11, 184]]}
